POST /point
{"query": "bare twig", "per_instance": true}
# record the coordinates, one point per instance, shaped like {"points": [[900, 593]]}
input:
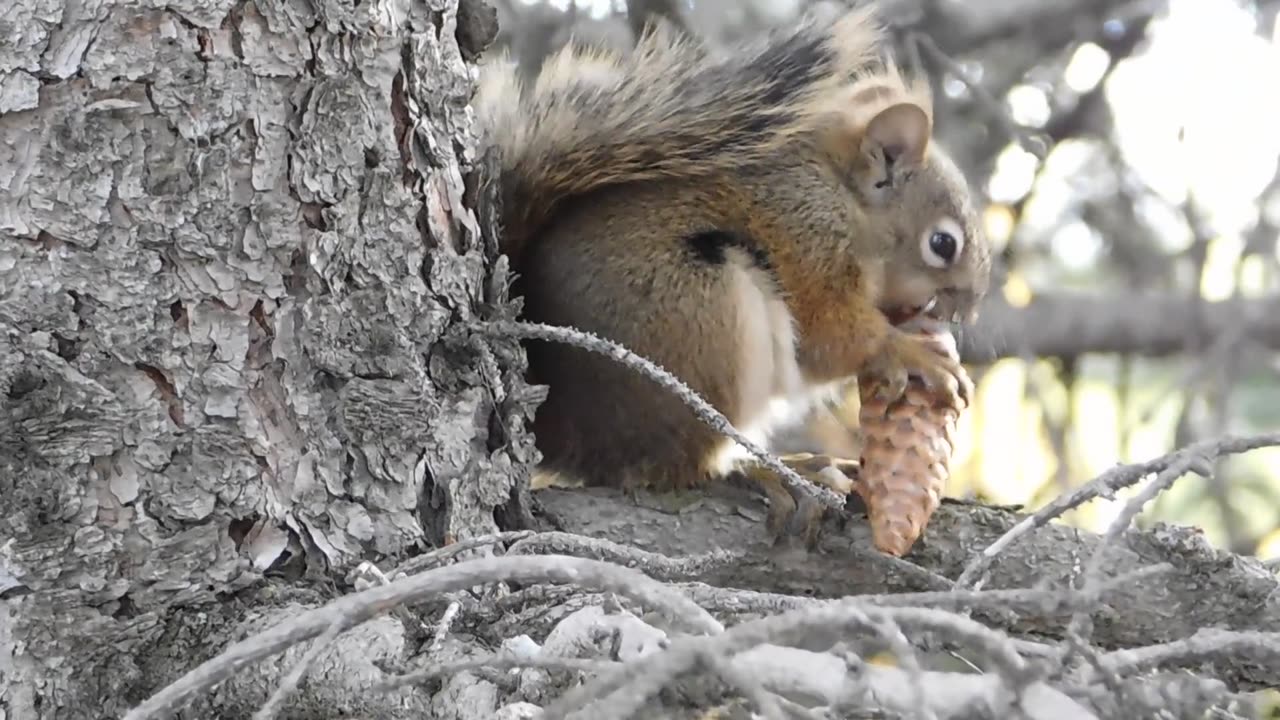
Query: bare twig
{"points": [[349, 611], [1153, 325], [442, 555], [615, 692], [655, 565], [907, 569], [1105, 485], [1078, 644], [624, 691], [906, 655], [840, 680], [442, 628], [636, 681], [290, 682], [1197, 458], [748, 683], [1023, 600], [1263, 648], [704, 410], [501, 661]]}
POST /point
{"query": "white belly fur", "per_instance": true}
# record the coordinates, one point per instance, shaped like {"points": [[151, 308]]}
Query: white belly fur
{"points": [[773, 391]]}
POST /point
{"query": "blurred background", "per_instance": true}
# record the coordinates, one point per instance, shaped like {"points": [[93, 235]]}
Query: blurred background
{"points": [[1128, 154]]}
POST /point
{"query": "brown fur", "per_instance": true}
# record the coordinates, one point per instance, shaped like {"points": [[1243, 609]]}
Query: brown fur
{"points": [[750, 248], [603, 422], [667, 110]]}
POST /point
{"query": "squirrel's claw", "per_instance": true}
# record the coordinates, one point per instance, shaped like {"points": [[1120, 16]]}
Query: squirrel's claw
{"points": [[947, 375], [793, 513], [893, 384], [905, 355]]}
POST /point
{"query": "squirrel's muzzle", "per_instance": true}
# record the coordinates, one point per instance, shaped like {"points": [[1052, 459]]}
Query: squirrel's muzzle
{"points": [[956, 305]]}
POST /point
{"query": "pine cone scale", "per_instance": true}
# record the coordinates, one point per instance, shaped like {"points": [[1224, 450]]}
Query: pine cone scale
{"points": [[907, 449]]}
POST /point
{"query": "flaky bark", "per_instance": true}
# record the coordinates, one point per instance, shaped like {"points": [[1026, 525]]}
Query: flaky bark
{"points": [[236, 258], [1208, 588]]}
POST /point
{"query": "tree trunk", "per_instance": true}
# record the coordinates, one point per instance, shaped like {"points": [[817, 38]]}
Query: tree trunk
{"points": [[239, 260], [244, 247]]}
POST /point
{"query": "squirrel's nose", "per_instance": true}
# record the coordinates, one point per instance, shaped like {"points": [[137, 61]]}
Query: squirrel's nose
{"points": [[960, 305]]}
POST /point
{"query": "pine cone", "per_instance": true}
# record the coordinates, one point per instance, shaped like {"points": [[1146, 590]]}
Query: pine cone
{"points": [[906, 453]]}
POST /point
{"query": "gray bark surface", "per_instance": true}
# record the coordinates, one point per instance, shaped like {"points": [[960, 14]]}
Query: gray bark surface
{"points": [[1208, 588], [234, 245]]}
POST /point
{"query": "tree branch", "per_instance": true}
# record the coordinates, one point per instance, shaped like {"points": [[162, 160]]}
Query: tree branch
{"points": [[1205, 587], [1069, 325]]}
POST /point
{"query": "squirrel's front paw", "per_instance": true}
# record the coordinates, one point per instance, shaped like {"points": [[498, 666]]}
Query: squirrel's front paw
{"points": [[905, 355]]}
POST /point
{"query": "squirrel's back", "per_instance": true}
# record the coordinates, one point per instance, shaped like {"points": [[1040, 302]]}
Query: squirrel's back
{"points": [[668, 110]]}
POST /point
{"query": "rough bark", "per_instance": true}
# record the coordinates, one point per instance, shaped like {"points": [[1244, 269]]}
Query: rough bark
{"points": [[237, 261], [1208, 588]]}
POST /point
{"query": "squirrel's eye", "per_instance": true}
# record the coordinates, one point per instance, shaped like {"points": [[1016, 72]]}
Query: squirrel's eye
{"points": [[942, 244]]}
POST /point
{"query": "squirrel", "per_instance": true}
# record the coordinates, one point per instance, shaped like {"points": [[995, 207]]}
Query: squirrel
{"points": [[755, 222]]}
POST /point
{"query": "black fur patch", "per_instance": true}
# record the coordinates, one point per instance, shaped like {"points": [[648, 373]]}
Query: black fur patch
{"points": [[792, 66], [781, 71], [709, 246]]}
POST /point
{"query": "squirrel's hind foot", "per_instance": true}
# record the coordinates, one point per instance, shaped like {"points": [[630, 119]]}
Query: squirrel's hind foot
{"points": [[794, 514]]}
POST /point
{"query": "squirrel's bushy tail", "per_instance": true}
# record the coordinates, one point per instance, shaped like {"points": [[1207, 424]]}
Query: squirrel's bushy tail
{"points": [[669, 109]]}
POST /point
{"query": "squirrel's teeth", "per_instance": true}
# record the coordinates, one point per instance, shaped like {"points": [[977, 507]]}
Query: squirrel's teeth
{"points": [[929, 305]]}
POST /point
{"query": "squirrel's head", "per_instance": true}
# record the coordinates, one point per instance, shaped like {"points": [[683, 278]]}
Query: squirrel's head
{"points": [[939, 259]]}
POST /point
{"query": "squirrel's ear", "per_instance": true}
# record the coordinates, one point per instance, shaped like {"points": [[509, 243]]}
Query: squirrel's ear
{"points": [[896, 139]]}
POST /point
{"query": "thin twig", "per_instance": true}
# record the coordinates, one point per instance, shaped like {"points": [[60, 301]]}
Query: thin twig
{"points": [[1105, 485], [354, 609], [655, 565], [442, 555], [500, 661], [1042, 601], [704, 410], [625, 690], [635, 682], [442, 628], [906, 655], [765, 701], [1261, 647], [1078, 644], [1199, 462], [290, 682]]}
